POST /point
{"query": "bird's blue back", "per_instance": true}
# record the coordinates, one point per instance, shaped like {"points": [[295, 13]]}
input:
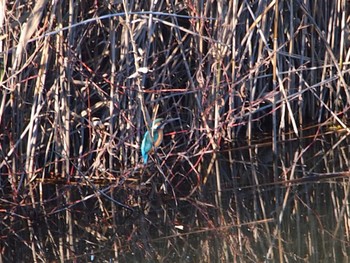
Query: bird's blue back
{"points": [[147, 144]]}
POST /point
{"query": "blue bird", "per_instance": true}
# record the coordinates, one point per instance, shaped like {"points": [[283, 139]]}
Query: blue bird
{"points": [[149, 143]]}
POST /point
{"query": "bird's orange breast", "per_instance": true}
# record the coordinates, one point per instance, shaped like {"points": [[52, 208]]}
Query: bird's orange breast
{"points": [[159, 138]]}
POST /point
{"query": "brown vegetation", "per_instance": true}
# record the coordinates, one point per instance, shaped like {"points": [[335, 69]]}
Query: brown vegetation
{"points": [[79, 82]]}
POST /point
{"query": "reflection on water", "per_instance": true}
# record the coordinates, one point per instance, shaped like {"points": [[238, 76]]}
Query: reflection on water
{"points": [[302, 215]]}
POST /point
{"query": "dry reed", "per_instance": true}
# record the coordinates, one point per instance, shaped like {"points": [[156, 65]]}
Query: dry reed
{"points": [[80, 81]]}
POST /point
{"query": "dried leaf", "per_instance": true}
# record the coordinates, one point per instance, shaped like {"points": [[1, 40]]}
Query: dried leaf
{"points": [[29, 28]]}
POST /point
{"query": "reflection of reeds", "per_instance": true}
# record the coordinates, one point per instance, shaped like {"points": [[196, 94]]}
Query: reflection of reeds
{"points": [[80, 82]]}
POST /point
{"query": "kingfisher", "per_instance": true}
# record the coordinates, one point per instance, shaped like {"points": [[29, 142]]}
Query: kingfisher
{"points": [[149, 143]]}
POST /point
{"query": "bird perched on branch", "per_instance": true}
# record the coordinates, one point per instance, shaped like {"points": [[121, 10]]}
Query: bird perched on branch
{"points": [[153, 140]]}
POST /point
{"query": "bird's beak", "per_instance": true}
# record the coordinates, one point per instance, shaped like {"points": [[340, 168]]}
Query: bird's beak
{"points": [[171, 120], [165, 122]]}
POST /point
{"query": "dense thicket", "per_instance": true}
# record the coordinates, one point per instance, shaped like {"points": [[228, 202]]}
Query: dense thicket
{"points": [[80, 80]]}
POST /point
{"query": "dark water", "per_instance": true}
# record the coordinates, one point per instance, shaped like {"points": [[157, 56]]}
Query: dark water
{"points": [[242, 204]]}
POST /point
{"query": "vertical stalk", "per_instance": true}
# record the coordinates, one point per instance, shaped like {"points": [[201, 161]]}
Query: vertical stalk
{"points": [[274, 123], [66, 86], [136, 65], [230, 131], [113, 47]]}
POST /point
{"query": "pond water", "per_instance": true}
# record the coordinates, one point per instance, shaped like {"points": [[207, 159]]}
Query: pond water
{"points": [[242, 204]]}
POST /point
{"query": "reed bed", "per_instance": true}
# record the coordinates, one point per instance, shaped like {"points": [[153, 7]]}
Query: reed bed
{"points": [[255, 168]]}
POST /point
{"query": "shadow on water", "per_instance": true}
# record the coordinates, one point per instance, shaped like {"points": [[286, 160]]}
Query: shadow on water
{"points": [[238, 212]]}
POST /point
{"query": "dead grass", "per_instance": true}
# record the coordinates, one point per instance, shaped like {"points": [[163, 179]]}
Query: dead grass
{"points": [[79, 82]]}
